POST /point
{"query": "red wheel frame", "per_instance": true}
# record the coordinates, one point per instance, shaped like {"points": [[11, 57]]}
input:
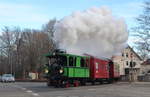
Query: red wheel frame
{"points": [[76, 84], [67, 85]]}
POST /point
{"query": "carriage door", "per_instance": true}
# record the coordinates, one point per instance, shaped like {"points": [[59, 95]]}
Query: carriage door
{"points": [[111, 69]]}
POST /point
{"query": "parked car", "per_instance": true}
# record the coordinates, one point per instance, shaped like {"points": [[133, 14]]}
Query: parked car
{"points": [[8, 78]]}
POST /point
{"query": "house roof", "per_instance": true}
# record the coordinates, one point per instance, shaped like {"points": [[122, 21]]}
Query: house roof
{"points": [[147, 62], [134, 52]]}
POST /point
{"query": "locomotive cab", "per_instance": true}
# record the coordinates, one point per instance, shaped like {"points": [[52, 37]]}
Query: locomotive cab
{"points": [[56, 63]]}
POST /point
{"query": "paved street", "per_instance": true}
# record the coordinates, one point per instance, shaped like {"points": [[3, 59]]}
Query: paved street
{"points": [[38, 89]]}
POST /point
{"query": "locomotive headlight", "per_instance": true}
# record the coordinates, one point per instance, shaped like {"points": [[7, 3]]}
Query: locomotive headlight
{"points": [[61, 71], [46, 70]]}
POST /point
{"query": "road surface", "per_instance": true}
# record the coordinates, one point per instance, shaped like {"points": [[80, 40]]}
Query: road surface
{"points": [[39, 89]]}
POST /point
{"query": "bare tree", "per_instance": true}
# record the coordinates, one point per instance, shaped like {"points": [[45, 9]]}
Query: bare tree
{"points": [[7, 44], [142, 31], [17, 51], [22, 51], [33, 47], [49, 28]]}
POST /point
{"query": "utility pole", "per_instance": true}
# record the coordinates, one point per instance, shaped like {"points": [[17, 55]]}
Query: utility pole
{"points": [[131, 69], [11, 65]]}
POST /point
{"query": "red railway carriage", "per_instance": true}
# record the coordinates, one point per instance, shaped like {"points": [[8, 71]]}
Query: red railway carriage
{"points": [[99, 68], [114, 70], [103, 69]]}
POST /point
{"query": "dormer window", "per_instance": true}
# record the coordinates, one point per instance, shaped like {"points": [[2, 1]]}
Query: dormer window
{"points": [[122, 54]]}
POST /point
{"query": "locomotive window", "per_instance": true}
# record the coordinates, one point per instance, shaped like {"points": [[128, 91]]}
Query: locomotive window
{"points": [[63, 60], [60, 60], [82, 62], [70, 61]]}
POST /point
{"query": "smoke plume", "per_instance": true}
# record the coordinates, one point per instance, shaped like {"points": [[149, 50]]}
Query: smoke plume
{"points": [[94, 31]]}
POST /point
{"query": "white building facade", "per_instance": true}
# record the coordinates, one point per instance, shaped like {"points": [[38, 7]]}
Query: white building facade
{"points": [[129, 60]]}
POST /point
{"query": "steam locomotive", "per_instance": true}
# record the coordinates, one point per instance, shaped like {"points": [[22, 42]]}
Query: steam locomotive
{"points": [[65, 70]]}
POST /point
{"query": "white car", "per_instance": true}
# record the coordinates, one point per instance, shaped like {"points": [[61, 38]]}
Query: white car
{"points": [[7, 78]]}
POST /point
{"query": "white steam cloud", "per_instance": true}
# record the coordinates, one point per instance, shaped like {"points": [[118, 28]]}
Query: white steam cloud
{"points": [[94, 31]]}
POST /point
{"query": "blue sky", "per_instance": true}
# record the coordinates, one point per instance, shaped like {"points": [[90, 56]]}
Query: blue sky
{"points": [[34, 13]]}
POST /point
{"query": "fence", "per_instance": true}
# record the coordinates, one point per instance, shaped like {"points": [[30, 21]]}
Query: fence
{"points": [[145, 78]]}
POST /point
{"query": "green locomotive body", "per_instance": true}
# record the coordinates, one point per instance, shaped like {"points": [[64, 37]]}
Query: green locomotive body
{"points": [[66, 68]]}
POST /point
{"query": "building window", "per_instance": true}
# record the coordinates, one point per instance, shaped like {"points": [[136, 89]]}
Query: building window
{"points": [[134, 64], [126, 71], [127, 55], [122, 54], [131, 64], [127, 63]]}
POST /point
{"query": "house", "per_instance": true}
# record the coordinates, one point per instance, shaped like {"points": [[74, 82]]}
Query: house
{"points": [[145, 67], [130, 62]]}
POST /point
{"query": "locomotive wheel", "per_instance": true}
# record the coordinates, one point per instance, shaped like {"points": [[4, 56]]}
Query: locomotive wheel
{"points": [[76, 83], [67, 85], [83, 82]]}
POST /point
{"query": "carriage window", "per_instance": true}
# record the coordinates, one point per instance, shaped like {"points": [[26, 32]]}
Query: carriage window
{"points": [[70, 61], [75, 59], [82, 62], [96, 66]]}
